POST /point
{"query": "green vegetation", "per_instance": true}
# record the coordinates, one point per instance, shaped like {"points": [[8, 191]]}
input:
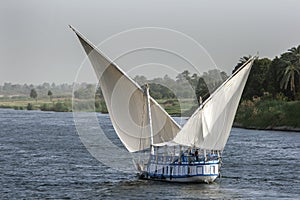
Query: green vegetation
{"points": [[44, 105], [268, 114], [271, 98], [278, 76], [59, 106], [171, 106], [29, 106]]}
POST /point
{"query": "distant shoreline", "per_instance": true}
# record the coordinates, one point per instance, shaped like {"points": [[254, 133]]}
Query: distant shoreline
{"points": [[275, 128], [235, 124]]}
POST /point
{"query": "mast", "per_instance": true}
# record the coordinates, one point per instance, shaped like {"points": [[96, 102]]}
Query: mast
{"points": [[149, 119]]}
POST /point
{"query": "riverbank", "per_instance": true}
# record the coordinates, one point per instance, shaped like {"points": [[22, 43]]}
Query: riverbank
{"points": [[257, 114], [279, 128], [57, 105], [172, 106], [269, 115]]}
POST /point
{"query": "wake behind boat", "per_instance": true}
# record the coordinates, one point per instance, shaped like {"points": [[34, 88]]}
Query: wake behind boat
{"points": [[191, 153]]}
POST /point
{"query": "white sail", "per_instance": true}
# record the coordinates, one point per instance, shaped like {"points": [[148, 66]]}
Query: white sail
{"points": [[127, 104], [209, 127]]}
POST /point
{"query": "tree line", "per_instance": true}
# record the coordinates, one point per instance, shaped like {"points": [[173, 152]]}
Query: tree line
{"points": [[61, 90], [185, 85], [278, 78]]}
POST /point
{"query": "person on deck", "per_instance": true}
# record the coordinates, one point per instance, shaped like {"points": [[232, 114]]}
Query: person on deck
{"points": [[196, 155]]}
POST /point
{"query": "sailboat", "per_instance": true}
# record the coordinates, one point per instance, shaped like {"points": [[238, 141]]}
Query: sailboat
{"points": [[191, 153]]}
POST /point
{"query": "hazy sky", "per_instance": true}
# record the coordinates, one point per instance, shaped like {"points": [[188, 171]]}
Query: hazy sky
{"points": [[37, 46]]}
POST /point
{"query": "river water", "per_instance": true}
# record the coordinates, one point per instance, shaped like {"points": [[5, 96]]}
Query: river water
{"points": [[43, 157]]}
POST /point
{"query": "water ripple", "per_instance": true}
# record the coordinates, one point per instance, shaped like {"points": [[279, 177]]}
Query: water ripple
{"points": [[43, 157]]}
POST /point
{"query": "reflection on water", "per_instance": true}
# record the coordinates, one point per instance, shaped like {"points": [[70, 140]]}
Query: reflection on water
{"points": [[43, 157]]}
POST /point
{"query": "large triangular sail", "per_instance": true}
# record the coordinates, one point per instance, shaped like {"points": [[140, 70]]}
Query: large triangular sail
{"points": [[127, 104], [209, 127]]}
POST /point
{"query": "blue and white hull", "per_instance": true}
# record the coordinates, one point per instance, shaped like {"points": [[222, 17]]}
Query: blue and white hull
{"points": [[186, 171]]}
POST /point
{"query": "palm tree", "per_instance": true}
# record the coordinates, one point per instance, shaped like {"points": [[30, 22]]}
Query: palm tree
{"points": [[289, 77], [295, 51], [241, 62]]}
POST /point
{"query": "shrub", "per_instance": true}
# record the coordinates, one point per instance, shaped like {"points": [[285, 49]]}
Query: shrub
{"points": [[61, 107], [29, 106], [46, 107]]}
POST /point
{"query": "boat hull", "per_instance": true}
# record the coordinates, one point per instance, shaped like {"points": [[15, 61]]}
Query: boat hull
{"points": [[205, 172], [187, 179]]}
